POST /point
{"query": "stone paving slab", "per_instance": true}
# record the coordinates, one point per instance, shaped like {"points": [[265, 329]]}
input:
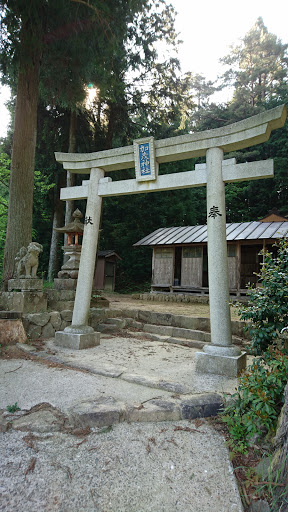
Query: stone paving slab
{"points": [[94, 400], [152, 360], [171, 467], [29, 383], [105, 382]]}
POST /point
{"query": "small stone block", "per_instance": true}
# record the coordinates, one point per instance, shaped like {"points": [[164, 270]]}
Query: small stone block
{"points": [[26, 348], [201, 406], [12, 332], [101, 412], [77, 341], [220, 365], [46, 419], [4, 423]]}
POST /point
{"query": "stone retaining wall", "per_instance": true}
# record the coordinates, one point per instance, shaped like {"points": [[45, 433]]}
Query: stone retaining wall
{"points": [[182, 297], [44, 325], [173, 297]]}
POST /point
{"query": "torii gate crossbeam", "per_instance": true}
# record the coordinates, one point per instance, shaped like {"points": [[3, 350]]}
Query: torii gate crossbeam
{"points": [[220, 357]]}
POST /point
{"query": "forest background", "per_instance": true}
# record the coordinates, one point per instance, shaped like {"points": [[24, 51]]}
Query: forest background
{"points": [[97, 78]]}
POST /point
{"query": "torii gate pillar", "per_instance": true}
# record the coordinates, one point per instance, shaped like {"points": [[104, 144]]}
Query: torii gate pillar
{"points": [[80, 335], [220, 356]]}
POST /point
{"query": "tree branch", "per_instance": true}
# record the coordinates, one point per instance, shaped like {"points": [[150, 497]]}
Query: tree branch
{"points": [[5, 184], [95, 9], [87, 5]]}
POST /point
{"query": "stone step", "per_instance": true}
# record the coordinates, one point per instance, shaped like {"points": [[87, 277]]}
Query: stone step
{"points": [[168, 339], [187, 343], [105, 328], [117, 322], [111, 324], [178, 335], [178, 332], [187, 322], [107, 411]]}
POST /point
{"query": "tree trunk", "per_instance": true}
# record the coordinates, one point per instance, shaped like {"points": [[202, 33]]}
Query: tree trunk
{"points": [[59, 207], [70, 182], [70, 175], [20, 209], [111, 126], [55, 236]]}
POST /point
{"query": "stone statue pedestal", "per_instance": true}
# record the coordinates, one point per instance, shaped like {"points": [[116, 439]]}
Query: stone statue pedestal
{"points": [[25, 296], [25, 285], [63, 295]]}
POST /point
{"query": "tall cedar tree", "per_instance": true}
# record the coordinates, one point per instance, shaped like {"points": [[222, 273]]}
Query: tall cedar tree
{"points": [[30, 34], [30, 28]]}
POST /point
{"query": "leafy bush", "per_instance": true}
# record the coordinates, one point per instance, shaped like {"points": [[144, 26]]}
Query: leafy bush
{"points": [[255, 407], [267, 310], [13, 408]]}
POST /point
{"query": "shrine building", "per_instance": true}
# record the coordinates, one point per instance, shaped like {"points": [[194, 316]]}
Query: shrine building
{"points": [[180, 261]]}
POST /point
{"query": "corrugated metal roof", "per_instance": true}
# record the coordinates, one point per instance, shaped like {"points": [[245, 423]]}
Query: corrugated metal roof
{"points": [[198, 234]]}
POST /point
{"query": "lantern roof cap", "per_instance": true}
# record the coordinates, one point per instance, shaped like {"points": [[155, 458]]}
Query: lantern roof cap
{"points": [[76, 226]]}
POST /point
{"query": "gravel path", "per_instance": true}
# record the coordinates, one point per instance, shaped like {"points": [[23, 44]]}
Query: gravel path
{"points": [[162, 467]]}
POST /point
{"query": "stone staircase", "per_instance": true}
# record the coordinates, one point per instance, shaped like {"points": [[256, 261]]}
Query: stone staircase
{"points": [[185, 336]]}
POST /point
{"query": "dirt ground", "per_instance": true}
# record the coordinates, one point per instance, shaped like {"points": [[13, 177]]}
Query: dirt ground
{"points": [[118, 301]]}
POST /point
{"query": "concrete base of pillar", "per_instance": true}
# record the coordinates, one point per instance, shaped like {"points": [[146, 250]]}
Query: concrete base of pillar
{"points": [[77, 338], [226, 361]]}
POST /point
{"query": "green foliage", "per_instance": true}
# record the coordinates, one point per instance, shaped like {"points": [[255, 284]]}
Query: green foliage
{"points": [[48, 285], [267, 310], [4, 192], [13, 408], [138, 95], [258, 69], [274, 490], [256, 405]]}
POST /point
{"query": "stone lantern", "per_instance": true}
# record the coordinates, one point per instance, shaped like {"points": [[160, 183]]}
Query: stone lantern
{"points": [[67, 277]]}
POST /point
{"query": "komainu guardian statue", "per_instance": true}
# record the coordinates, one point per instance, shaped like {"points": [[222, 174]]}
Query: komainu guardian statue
{"points": [[26, 261]]}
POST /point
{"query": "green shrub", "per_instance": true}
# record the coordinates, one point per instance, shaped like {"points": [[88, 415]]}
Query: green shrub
{"points": [[256, 405], [13, 408], [267, 310]]}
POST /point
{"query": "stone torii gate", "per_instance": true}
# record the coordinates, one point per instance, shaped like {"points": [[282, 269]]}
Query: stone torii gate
{"points": [[220, 356]]}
